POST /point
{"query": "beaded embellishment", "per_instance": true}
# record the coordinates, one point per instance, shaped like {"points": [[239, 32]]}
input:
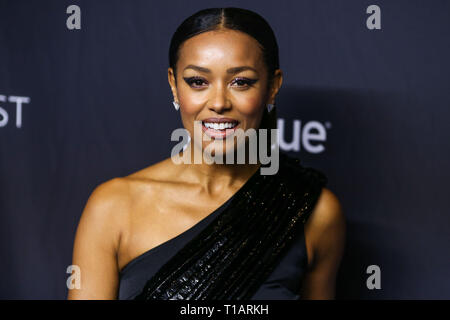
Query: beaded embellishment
{"points": [[237, 251]]}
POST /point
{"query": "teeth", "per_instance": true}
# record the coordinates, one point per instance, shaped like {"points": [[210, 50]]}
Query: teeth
{"points": [[219, 126]]}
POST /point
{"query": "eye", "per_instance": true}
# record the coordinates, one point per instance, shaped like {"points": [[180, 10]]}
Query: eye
{"points": [[198, 82], [244, 82], [195, 82]]}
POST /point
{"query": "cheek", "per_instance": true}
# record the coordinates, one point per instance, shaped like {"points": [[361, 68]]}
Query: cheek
{"points": [[192, 102], [250, 106]]}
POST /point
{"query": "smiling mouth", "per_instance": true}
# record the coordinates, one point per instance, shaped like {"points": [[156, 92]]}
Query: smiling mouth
{"points": [[219, 127]]}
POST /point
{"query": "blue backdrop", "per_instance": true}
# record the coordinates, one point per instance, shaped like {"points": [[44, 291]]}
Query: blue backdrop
{"points": [[81, 106]]}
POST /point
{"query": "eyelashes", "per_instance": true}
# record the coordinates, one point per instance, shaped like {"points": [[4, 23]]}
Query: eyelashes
{"points": [[199, 82]]}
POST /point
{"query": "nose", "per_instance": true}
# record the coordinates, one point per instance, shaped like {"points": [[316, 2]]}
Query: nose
{"points": [[219, 99]]}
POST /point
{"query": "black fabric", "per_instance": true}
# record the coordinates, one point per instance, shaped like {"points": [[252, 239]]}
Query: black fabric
{"points": [[235, 253], [283, 284]]}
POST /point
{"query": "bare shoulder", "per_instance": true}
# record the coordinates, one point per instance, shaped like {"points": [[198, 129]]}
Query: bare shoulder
{"points": [[102, 230], [97, 239], [328, 210], [113, 199], [325, 228], [107, 207], [110, 193], [110, 204], [325, 241]]}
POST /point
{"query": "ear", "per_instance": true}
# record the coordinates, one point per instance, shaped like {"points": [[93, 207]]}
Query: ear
{"points": [[276, 85], [173, 84]]}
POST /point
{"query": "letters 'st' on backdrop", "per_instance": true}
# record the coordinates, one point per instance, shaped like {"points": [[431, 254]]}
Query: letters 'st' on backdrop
{"points": [[84, 98]]}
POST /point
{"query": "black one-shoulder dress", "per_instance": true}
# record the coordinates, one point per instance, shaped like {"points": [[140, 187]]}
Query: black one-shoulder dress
{"points": [[284, 282]]}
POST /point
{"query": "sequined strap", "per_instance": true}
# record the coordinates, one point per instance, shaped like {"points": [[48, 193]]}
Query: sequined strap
{"points": [[236, 252]]}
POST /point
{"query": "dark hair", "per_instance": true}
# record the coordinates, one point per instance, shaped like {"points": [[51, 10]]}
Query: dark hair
{"points": [[238, 19]]}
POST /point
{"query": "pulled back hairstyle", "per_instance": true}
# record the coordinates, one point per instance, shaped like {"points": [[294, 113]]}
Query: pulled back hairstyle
{"points": [[237, 19]]}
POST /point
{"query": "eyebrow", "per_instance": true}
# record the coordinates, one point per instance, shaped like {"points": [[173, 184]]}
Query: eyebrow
{"points": [[230, 70]]}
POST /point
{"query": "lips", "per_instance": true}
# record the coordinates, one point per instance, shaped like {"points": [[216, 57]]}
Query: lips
{"points": [[219, 127]]}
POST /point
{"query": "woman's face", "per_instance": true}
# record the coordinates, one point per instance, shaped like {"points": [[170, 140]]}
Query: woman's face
{"points": [[221, 76]]}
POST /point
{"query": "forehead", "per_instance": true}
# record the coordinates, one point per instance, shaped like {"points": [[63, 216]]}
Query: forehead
{"points": [[224, 48]]}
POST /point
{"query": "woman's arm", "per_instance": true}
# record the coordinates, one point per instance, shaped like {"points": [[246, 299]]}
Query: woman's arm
{"points": [[325, 231], [97, 241]]}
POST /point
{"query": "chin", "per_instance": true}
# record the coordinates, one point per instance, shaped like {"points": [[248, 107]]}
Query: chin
{"points": [[221, 150]]}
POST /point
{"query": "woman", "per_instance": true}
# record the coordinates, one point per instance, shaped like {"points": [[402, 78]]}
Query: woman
{"points": [[214, 231]]}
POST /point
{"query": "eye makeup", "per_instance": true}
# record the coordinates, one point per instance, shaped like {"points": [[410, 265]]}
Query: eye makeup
{"points": [[197, 82]]}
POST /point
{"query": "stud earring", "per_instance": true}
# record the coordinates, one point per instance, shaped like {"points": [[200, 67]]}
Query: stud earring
{"points": [[270, 107], [176, 105]]}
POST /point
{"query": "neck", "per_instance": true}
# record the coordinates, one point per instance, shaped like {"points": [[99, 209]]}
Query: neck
{"points": [[216, 178]]}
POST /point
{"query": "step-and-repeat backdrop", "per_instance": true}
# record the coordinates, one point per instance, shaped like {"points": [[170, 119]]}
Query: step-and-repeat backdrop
{"points": [[84, 98]]}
